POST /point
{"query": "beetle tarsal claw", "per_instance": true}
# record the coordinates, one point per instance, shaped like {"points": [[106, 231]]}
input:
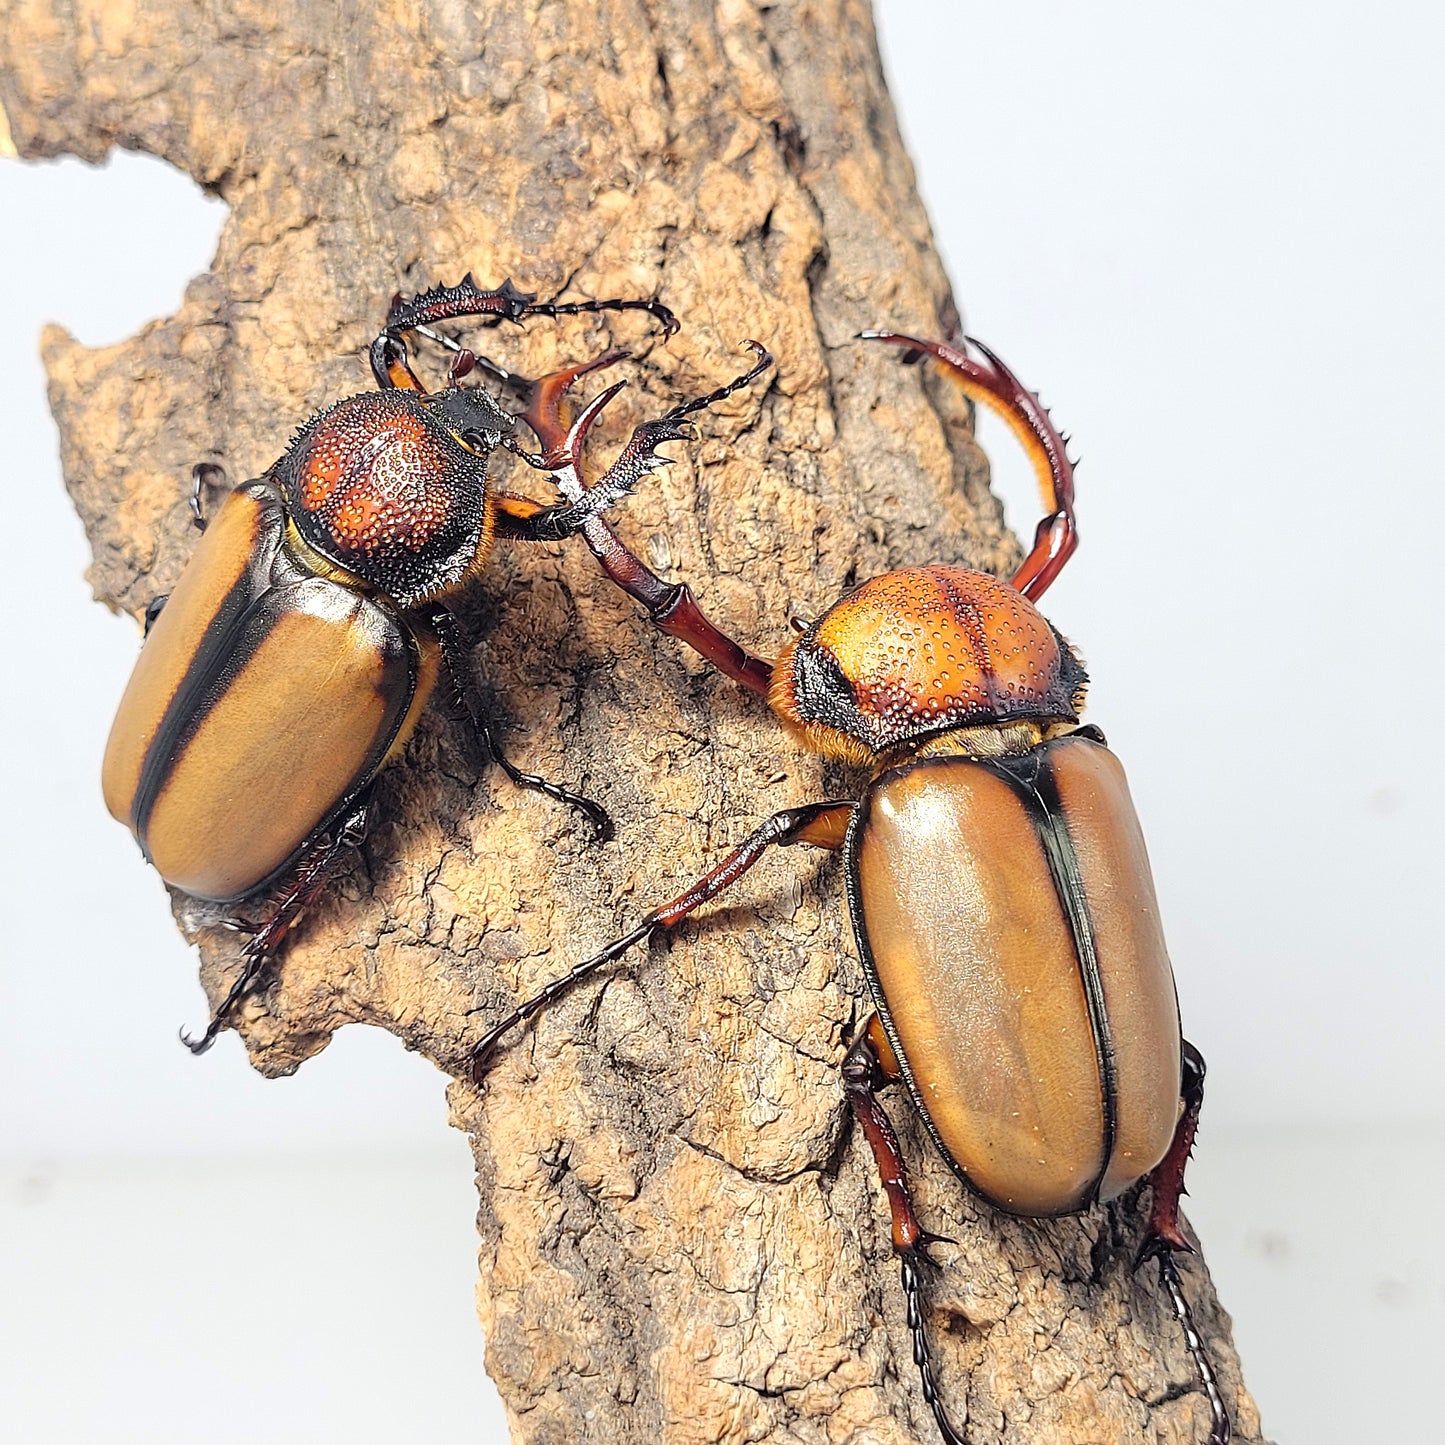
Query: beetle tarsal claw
{"points": [[652, 434], [1158, 1248], [918, 1253], [197, 1046]]}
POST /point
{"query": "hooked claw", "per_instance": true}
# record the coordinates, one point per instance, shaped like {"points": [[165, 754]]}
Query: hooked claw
{"points": [[1157, 1246], [918, 1251], [200, 1045]]}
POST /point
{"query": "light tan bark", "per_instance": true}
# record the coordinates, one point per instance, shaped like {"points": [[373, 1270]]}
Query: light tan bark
{"points": [[682, 1238]]}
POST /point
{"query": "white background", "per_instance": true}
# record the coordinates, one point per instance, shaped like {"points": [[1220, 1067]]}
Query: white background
{"points": [[1213, 240]]}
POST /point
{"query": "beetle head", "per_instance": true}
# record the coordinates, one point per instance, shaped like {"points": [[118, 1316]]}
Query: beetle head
{"points": [[921, 652], [472, 417]]}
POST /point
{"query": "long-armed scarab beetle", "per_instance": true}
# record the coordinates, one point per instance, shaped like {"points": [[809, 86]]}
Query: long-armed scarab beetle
{"points": [[311, 624], [997, 880]]}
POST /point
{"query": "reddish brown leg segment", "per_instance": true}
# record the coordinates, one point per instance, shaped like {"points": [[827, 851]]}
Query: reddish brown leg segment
{"points": [[1164, 1236], [671, 607], [868, 1065], [1167, 1180], [467, 299], [992, 383], [822, 825], [303, 886]]}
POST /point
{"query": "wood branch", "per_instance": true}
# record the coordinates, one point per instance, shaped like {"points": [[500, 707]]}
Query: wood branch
{"points": [[682, 1237]]}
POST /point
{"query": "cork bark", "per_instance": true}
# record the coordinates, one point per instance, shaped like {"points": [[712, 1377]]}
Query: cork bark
{"points": [[682, 1238]]}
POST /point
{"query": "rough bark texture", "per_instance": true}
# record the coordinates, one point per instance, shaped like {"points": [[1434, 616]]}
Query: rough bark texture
{"points": [[682, 1237]]}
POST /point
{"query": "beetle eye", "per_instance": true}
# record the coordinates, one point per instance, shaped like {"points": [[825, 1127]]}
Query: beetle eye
{"points": [[477, 441]]}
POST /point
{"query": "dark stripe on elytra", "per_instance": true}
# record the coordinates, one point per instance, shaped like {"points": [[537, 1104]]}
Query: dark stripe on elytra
{"points": [[215, 644], [206, 684], [1032, 777]]}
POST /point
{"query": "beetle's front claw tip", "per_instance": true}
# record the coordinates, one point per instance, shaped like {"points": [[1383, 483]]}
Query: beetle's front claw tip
{"points": [[926, 1243], [600, 819]]}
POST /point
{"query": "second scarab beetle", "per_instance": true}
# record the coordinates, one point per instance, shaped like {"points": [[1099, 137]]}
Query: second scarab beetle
{"points": [[312, 624], [997, 883]]}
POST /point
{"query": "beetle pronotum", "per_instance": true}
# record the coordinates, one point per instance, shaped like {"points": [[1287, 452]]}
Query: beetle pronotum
{"points": [[997, 879], [312, 623]]}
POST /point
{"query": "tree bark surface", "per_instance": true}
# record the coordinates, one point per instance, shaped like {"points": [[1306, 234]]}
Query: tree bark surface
{"points": [[682, 1236]]}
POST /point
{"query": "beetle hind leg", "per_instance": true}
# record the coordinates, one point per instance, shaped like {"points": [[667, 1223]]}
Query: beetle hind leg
{"points": [[867, 1067], [303, 885], [1165, 1238]]}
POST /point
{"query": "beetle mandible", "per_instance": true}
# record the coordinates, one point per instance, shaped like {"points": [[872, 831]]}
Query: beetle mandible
{"points": [[312, 623], [996, 876]]}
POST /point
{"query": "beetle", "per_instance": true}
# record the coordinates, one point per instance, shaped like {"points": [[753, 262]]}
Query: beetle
{"points": [[312, 624], [996, 878]]}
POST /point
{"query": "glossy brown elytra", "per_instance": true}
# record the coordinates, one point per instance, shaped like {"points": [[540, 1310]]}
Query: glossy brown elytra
{"points": [[313, 623], [997, 880]]}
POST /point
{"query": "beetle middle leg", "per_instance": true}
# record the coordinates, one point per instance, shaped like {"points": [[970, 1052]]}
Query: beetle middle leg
{"points": [[203, 474], [300, 888], [1164, 1237], [868, 1066], [456, 661]]}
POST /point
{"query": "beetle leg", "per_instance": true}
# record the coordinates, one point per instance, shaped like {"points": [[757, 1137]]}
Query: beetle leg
{"points": [[524, 520], [506, 303], [443, 303], [822, 825], [867, 1066], [521, 519], [994, 385], [1164, 1236], [303, 885], [391, 366], [154, 608], [455, 656], [203, 474], [671, 607], [1167, 1180]]}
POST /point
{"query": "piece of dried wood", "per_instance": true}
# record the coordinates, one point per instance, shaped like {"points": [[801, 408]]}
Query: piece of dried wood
{"points": [[683, 1239]]}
